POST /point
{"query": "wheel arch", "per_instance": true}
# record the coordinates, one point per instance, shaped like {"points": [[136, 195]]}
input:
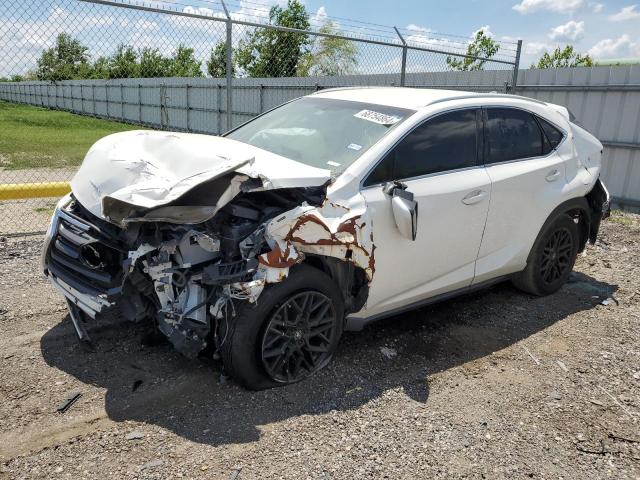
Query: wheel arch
{"points": [[351, 279], [577, 208]]}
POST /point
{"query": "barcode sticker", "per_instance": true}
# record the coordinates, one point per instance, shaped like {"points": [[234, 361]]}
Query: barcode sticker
{"points": [[377, 117]]}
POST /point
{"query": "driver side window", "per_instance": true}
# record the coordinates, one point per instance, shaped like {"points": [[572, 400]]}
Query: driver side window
{"points": [[446, 142]]}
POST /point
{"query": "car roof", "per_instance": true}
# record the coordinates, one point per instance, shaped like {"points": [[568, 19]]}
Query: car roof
{"points": [[402, 97], [413, 98]]}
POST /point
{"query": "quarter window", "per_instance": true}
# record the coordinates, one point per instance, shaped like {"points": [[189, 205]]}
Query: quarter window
{"points": [[554, 136], [446, 142], [512, 134]]}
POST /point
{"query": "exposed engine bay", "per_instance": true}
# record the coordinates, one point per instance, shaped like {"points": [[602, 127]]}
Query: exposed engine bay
{"points": [[185, 263]]}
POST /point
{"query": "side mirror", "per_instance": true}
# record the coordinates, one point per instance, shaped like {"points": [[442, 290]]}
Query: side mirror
{"points": [[405, 209]]}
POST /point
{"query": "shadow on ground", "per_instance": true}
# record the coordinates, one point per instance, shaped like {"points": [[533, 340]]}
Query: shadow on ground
{"points": [[156, 385]]}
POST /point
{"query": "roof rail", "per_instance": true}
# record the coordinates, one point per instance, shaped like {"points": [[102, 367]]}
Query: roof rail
{"points": [[487, 95], [354, 87]]}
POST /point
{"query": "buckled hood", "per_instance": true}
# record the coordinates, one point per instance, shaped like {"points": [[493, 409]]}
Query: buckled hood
{"points": [[153, 176]]}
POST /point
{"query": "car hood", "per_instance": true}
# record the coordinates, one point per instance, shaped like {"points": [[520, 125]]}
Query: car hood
{"points": [[127, 175]]}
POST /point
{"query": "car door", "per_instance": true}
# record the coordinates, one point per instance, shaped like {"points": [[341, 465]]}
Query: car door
{"points": [[439, 164], [527, 177]]}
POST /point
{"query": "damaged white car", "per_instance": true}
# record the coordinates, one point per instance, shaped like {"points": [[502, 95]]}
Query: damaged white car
{"points": [[326, 213]]}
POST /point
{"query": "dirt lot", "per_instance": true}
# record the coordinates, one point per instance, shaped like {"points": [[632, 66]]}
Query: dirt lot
{"points": [[497, 384]]}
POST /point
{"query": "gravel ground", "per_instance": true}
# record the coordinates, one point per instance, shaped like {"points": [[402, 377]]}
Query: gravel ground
{"points": [[496, 384]]}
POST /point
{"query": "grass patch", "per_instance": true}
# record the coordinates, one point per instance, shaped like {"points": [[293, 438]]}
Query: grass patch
{"points": [[48, 208], [34, 137], [617, 216]]}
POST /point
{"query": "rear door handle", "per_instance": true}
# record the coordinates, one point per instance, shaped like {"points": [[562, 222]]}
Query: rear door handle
{"points": [[474, 197], [553, 175]]}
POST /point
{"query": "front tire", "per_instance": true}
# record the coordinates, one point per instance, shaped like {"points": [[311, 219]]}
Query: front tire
{"points": [[552, 258], [289, 334]]}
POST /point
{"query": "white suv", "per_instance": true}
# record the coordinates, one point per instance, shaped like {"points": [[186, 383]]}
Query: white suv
{"points": [[325, 213]]}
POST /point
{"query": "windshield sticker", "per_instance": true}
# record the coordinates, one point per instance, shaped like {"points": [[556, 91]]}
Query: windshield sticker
{"points": [[354, 146], [377, 117], [333, 164]]}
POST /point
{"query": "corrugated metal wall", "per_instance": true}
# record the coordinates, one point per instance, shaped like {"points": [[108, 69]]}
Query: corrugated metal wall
{"points": [[606, 100]]}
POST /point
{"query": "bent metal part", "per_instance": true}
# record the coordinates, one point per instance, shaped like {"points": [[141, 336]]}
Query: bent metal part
{"points": [[193, 237]]}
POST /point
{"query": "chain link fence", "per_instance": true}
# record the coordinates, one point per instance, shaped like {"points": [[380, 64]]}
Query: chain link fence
{"points": [[201, 68]]}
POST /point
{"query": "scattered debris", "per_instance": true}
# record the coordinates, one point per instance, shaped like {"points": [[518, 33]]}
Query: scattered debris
{"points": [[8, 356], [537, 362], [555, 395], [388, 352], [135, 435], [354, 389], [616, 401], [136, 385], [151, 464], [596, 402], [235, 473], [562, 365], [71, 399], [605, 302], [623, 439]]}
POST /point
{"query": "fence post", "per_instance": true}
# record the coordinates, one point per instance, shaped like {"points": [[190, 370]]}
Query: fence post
{"points": [[261, 98], [121, 102], [188, 108], [139, 105], [229, 69], [219, 102], [516, 67], [403, 68], [163, 108]]}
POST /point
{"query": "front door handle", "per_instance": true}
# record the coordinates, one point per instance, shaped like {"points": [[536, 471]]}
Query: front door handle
{"points": [[553, 175], [474, 197]]}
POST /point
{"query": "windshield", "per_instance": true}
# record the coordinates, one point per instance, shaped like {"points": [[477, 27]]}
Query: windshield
{"points": [[321, 132]]}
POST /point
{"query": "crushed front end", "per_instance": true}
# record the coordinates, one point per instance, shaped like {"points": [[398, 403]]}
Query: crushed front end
{"points": [[177, 245]]}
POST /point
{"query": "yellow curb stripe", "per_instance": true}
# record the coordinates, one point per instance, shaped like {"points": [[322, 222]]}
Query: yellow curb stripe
{"points": [[15, 191]]}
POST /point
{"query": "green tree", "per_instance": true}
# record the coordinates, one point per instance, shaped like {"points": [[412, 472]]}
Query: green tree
{"points": [[154, 64], [100, 68], [68, 59], [562, 58], [276, 53], [482, 46], [124, 63], [184, 64], [217, 63], [330, 56]]}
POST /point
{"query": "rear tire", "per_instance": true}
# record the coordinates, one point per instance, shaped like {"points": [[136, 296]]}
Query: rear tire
{"points": [[289, 334], [552, 257]]}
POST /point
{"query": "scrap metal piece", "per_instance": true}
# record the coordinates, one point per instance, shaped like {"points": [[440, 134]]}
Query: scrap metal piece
{"points": [[78, 322], [70, 400]]}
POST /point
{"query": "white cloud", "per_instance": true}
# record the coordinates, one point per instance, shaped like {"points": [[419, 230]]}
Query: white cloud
{"points": [[570, 31], [560, 6], [627, 13], [147, 25], [621, 47], [320, 16], [536, 48], [597, 7], [417, 28], [486, 29]]}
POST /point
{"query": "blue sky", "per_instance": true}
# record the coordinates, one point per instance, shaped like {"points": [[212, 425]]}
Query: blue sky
{"points": [[606, 30]]}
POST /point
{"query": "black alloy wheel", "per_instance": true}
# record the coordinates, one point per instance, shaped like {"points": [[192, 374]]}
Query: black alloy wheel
{"points": [[556, 256], [299, 337]]}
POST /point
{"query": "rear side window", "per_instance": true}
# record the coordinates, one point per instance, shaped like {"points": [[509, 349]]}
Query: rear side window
{"points": [[554, 135], [512, 134], [446, 142]]}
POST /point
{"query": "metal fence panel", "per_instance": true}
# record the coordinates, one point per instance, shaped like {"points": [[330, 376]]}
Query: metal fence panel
{"points": [[606, 100], [187, 98]]}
